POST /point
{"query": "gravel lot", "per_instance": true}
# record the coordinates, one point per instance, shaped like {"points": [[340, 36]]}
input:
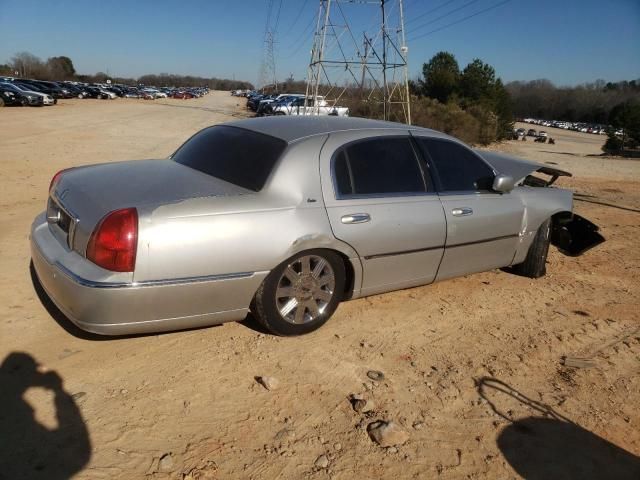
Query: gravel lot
{"points": [[472, 366]]}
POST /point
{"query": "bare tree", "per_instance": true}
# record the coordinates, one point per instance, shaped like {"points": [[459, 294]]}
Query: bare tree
{"points": [[28, 65]]}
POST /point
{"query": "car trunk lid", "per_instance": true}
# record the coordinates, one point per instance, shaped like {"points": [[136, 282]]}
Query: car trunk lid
{"points": [[84, 195]]}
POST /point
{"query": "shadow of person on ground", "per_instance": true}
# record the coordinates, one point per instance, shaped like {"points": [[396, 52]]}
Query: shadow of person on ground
{"points": [[29, 450], [551, 446]]}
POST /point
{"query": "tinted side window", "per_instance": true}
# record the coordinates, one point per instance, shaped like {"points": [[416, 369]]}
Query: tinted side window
{"points": [[236, 155], [458, 167], [378, 166]]}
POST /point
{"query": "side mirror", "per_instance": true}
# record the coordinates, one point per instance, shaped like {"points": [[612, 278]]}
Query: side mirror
{"points": [[503, 183]]}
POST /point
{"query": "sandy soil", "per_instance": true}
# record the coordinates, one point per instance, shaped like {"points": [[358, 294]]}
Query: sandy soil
{"points": [[473, 366]]}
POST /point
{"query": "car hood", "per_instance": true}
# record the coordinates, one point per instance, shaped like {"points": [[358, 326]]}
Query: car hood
{"points": [[517, 167]]}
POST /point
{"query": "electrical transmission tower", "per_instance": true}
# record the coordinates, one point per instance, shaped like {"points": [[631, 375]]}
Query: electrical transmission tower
{"points": [[268, 65], [369, 66]]}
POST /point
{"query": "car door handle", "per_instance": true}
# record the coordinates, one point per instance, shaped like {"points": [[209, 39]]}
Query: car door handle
{"points": [[355, 218], [462, 212]]}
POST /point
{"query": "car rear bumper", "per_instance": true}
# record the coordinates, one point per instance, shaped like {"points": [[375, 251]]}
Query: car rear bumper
{"points": [[120, 308]]}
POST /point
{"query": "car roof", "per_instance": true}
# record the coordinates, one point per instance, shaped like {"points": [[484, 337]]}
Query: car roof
{"points": [[293, 128]]}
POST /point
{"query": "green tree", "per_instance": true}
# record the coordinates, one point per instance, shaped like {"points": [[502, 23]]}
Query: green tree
{"points": [[626, 117], [478, 81], [61, 68], [480, 87], [440, 77], [6, 70]]}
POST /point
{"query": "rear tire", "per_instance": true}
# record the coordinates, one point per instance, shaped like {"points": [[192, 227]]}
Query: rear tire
{"points": [[535, 264], [301, 293]]}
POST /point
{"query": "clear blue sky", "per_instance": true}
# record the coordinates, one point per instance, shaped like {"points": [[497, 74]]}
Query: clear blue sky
{"points": [[566, 41]]}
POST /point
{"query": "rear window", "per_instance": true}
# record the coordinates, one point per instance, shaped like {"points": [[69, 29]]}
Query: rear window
{"points": [[235, 155]]}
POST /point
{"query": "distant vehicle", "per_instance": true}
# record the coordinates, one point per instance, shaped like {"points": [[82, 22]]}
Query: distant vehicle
{"points": [[95, 92], [183, 95], [156, 93], [288, 217], [542, 133], [521, 132], [109, 94], [297, 107], [76, 90], [532, 133], [11, 98], [24, 90], [49, 88]]}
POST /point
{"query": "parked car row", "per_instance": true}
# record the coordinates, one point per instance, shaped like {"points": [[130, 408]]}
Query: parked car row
{"points": [[596, 129], [291, 104], [521, 132], [28, 92]]}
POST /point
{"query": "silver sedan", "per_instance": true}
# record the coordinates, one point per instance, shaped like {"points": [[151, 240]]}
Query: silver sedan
{"points": [[286, 217]]}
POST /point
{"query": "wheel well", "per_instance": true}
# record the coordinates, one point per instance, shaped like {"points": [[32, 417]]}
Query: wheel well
{"points": [[561, 217], [349, 274]]}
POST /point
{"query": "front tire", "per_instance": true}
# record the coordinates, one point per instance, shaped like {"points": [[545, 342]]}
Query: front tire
{"points": [[535, 263], [300, 294]]}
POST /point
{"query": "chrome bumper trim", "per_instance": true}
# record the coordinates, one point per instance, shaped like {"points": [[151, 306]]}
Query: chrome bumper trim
{"points": [[149, 283]]}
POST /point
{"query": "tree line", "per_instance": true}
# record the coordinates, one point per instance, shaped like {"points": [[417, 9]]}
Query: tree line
{"points": [[586, 103], [61, 68]]}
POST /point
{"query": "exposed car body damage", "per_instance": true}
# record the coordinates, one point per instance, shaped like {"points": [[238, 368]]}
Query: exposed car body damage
{"points": [[520, 169], [574, 235], [571, 233]]}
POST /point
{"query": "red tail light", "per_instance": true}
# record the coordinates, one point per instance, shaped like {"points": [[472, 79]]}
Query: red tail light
{"points": [[114, 242]]}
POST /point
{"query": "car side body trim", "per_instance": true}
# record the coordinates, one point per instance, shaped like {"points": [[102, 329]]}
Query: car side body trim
{"points": [[405, 252], [149, 283], [485, 240]]}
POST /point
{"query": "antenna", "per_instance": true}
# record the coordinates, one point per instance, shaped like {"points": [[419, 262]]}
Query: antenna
{"points": [[374, 71]]}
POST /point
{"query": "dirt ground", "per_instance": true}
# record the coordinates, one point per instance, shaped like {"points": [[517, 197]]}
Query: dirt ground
{"points": [[472, 366]]}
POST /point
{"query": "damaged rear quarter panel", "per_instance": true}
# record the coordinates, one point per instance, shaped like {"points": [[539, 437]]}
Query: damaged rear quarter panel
{"points": [[539, 204]]}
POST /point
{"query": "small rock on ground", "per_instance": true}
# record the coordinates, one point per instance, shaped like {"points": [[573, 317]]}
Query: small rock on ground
{"points": [[322, 462], [166, 462], [270, 383], [387, 434]]}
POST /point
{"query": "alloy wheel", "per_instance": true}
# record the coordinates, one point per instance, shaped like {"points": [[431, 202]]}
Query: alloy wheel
{"points": [[305, 288]]}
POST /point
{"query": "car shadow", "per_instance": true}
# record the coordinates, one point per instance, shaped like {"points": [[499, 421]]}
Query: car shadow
{"points": [[28, 449], [551, 446], [252, 323]]}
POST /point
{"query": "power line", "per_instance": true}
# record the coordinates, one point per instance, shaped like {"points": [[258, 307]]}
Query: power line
{"points": [[275, 29], [443, 16], [302, 9], [306, 34], [460, 21], [430, 11]]}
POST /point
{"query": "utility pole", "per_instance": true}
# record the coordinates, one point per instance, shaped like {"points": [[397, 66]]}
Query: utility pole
{"points": [[379, 74]]}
